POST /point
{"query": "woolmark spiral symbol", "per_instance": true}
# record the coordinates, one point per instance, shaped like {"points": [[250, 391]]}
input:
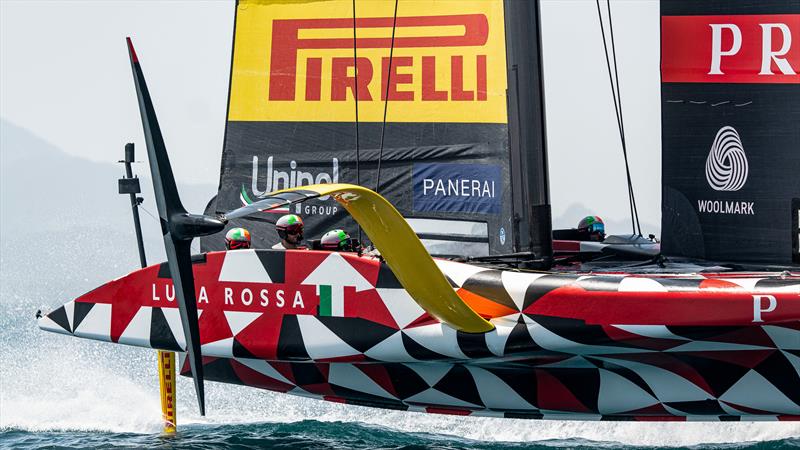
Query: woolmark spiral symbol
{"points": [[726, 166]]}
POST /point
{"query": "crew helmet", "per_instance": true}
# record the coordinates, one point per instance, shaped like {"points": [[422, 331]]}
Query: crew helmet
{"points": [[289, 224], [336, 240], [592, 225], [237, 238]]}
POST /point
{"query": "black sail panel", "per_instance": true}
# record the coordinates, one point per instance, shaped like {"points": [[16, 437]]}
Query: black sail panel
{"points": [[527, 127], [730, 129]]}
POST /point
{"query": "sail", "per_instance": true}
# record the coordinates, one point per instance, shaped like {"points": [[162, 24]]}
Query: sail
{"points": [[731, 129], [445, 163]]}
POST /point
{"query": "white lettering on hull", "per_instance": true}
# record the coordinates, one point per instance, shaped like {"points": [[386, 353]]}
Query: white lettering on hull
{"points": [[235, 297], [758, 303]]}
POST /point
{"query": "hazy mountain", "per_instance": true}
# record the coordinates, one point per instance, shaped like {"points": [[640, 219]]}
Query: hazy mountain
{"points": [[47, 193]]}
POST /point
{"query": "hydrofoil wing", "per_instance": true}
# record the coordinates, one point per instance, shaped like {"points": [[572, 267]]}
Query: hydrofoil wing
{"points": [[397, 242]]}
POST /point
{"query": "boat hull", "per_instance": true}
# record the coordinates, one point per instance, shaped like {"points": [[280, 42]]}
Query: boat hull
{"points": [[340, 327]]}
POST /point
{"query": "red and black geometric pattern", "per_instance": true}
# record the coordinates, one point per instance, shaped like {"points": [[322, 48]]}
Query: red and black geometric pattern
{"points": [[340, 327]]}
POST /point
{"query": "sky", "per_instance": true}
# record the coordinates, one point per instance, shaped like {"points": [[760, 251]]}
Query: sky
{"points": [[65, 76]]}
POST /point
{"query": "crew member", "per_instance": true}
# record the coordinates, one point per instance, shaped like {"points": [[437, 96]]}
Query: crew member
{"points": [[237, 238], [336, 241], [290, 230], [591, 228]]}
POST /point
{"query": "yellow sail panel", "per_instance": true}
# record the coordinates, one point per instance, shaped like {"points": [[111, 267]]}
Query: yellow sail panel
{"points": [[405, 255], [293, 61]]}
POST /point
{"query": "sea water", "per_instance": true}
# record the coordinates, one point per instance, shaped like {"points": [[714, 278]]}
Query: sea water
{"points": [[57, 391]]}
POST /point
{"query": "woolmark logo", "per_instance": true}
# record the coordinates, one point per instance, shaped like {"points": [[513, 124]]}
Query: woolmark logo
{"points": [[726, 165]]}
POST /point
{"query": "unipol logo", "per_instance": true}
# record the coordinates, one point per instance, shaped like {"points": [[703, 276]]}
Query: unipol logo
{"points": [[284, 179], [726, 165]]}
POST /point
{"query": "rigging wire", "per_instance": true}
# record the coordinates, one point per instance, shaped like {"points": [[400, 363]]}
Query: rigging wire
{"points": [[355, 94], [615, 91], [621, 121], [386, 98]]}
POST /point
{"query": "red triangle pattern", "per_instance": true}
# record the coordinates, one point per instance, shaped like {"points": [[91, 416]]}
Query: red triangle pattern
{"points": [[553, 395], [257, 379], [367, 305], [421, 321], [380, 376], [261, 337], [299, 265], [285, 369], [368, 268], [213, 326]]}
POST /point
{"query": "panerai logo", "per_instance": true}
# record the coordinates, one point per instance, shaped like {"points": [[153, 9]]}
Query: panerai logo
{"points": [[462, 188], [726, 170]]}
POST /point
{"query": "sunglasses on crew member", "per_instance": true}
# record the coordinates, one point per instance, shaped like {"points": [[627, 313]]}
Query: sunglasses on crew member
{"points": [[238, 244], [597, 228]]}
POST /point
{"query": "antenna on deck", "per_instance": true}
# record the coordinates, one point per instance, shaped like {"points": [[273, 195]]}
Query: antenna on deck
{"points": [[129, 184]]}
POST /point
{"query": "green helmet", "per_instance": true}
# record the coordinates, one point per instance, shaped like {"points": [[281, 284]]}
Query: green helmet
{"points": [[336, 240], [237, 238], [593, 226], [289, 224]]}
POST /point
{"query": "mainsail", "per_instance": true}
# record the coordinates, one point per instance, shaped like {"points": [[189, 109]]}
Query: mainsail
{"points": [[731, 130], [446, 159]]}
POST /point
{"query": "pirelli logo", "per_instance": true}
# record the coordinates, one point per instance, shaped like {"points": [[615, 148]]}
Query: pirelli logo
{"points": [[291, 64], [283, 70]]}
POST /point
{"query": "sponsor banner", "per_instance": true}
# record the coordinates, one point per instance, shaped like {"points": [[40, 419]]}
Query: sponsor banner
{"points": [[471, 188], [292, 110], [262, 157], [293, 61], [730, 165], [763, 48]]}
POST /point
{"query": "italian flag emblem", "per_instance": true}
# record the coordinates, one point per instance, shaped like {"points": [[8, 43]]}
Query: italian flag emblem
{"points": [[331, 278], [331, 302]]}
